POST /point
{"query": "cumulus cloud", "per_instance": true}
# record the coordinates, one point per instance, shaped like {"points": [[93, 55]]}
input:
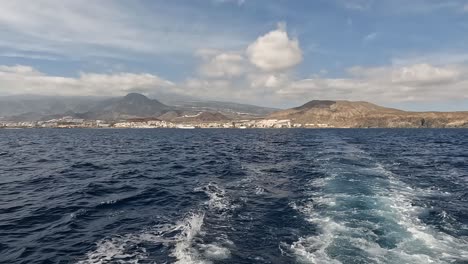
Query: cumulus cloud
{"points": [[267, 80], [264, 60], [27, 80], [419, 82], [227, 75], [259, 70], [275, 50], [222, 64]]}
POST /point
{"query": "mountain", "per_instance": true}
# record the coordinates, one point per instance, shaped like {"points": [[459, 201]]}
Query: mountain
{"points": [[138, 105], [130, 106], [319, 113], [316, 113], [36, 107]]}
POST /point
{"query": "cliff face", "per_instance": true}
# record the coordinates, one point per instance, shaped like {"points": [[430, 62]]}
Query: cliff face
{"points": [[364, 114]]}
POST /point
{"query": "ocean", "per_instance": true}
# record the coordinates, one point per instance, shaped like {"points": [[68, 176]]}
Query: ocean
{"points": [[234, 196]]}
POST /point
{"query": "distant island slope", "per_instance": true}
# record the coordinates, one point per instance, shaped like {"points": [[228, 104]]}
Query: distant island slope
{"points": [[318, 113]]}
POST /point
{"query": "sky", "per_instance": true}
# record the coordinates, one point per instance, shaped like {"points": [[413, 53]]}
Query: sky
{"points": [[409, 54]]}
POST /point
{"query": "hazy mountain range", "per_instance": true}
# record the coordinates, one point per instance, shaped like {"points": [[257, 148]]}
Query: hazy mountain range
{"points": [[321, 113], [35, 108]]}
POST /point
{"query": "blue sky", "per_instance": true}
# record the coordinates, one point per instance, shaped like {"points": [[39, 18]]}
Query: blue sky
{"points": [[410, 54]]}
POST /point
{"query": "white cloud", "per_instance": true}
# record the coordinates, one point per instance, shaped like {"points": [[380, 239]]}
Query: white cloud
{"points": [[257, 72], [271, 55], [28, 56], [238, 2], [226, 90], [370, 37], [110, 28], [417, 74], [27, 80], [275, 51], [271, 80], [357, 4], [415, 83], [438, 58], [390, 84], [222, 64], [267, 80], [19, 69]]}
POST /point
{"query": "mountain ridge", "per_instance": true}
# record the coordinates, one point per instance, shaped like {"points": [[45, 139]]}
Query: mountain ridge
{"points": [[361, 114], [315, 113], [29, 108]]}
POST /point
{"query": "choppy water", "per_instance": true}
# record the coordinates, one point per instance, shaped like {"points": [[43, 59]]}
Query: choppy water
{"points": [[233, 196]]}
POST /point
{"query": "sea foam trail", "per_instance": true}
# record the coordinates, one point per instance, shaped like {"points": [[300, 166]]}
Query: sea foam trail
{"points": [[364, 214], [219, 201], [183, 239], [184, 251]]}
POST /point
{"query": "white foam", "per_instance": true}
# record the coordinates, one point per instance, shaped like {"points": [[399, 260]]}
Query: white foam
{"points": [[218, 199], [215, 251], [114, 250], [423, 241], [313, 250], [259, 191], [184, 251], [417, 242], [181, 237]]}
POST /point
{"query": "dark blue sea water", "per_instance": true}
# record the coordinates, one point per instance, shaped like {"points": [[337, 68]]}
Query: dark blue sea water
{"points": [[234, 196]]}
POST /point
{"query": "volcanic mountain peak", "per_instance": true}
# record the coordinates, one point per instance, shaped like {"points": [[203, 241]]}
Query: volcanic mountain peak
{"points": [[357, 107], [131, 105], [363, 114], [135, 97], [139, 99]]}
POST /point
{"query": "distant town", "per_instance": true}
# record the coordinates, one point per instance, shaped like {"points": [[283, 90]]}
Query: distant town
{"points": [[70, 122]]}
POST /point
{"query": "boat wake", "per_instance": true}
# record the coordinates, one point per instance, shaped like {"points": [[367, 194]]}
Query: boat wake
{"points": [[362, 213]]}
